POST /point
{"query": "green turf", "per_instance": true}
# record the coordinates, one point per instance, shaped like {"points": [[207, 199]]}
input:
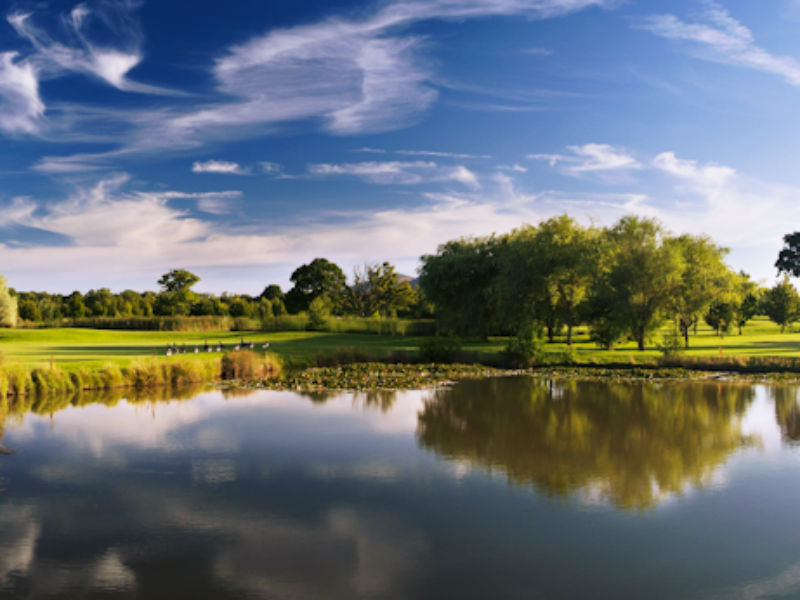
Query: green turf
{"points": [[73, 348]]}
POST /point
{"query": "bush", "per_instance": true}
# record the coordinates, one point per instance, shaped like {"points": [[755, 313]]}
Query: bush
{"points": [[177, 323], [343, 356], [319, 311], [671, 344], [247, 365], [297, 322], [440, 350], [525, 350]]}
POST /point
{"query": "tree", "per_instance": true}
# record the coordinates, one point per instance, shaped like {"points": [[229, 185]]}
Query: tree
{"points": [[635, 283], [377, 290], [545, 274], [720, 316], [74, 306], [789, 257], [101, 303], [460, 280], [8, 305], [272, 292], [748, 300], [178, 280], [176, 295], [318, 277], [704, 278], [782, 303]]}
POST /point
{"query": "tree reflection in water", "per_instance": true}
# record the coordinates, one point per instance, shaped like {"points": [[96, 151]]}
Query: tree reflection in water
{"points": [[787, 411], [632, 444]]}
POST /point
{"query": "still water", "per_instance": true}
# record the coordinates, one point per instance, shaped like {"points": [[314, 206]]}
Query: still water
{"points": [[501, 488]]}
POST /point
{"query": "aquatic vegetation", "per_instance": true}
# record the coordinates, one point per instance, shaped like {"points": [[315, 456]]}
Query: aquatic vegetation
{"points": [[379, 376]]}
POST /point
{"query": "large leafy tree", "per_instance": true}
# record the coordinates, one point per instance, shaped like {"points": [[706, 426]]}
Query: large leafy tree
{"points": [[545, 273], [635, 283], [176, 295], [782, 303], [459, 280], [704, 279], [314, 279]]}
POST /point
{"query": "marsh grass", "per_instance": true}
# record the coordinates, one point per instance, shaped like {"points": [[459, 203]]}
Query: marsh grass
{"points": [[244, 365], [18, 381]]}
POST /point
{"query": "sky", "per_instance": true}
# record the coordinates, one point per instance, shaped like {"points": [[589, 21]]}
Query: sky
{"points": [[240, 140]]}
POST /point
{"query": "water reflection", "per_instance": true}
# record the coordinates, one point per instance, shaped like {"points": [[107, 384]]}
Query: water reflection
{"points": [[275, 495], [787, 411], [632, 444]]}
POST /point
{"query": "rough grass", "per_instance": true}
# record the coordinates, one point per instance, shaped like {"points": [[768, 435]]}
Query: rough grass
{"points": [[84, 352], [245, 365]]}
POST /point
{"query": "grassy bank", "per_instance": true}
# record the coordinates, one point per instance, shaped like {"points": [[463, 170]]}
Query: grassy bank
{"points": [[18, 381], [91, 353]]}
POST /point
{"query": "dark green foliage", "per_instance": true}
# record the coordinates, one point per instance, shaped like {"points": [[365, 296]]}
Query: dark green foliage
{"points": [[272, 292], [720, 316], [318, 277], [460, 280], [781, 303], [789, 257], [525, 349], [439, 349]]}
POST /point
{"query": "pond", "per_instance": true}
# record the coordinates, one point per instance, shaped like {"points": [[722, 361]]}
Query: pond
{"points": [[515, 487]]}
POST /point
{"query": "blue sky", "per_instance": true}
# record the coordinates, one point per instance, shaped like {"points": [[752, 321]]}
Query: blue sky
{"points": [[242, 139]]}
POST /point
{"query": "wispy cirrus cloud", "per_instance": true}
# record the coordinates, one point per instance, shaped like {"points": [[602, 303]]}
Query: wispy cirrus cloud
{"points": [[222, 167], [591, 158], [76, 52], [21, 107], [398, 172], [430, 153], [22, 110], [353, 76], [718, 37]]}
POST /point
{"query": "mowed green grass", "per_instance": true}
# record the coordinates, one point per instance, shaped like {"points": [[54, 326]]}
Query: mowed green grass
{"points": [[75, 348]]}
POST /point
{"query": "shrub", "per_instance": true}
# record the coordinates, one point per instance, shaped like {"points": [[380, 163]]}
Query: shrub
{"points": [[248, 365], [319, 311], [671, 344], [524, 350], [343, 356], [439, 350]]}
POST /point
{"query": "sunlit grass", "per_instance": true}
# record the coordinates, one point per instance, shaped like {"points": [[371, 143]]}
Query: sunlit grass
{"points": [[72, 349]]}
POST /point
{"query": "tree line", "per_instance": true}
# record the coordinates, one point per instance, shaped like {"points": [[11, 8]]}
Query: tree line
{"points": [[320, 288], [623, 282]]}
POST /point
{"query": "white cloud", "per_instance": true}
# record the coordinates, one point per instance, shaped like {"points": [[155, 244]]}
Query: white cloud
{"points": [[706, 176], [352, 76], [440, 154], [111, 65], [271, 167], [515, 167], [538, 51], [591, 158], [21, 108], [398, 172], [122, 237], [721, 38], [223, 167], [465, 176]]}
